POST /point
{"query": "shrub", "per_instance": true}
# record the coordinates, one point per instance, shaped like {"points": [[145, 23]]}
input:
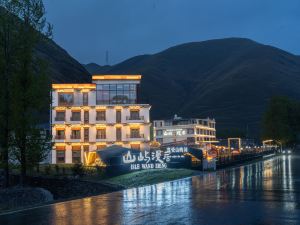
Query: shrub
{"points": [[47, 170], [78, 169], [57, 169]]}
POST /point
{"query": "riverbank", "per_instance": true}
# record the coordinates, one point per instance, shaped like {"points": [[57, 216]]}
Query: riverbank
{"points": [[68, 188], [148, 177]]}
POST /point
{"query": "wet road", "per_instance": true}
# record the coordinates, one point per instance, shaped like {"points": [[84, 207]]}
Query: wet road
{"points": [[266, 192]]}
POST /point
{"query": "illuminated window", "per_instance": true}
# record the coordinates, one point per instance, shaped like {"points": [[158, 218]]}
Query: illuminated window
{"points": [[116, 93], [135, 133], [119, 134], [76, 154], [85, 98], [75, 134], [60, 154], [86, 116], [60, 134], [65, 99], [101, 115], [60, 116], [134, 115], [101, 133], [99, 147], [135, 146], [76, 116]]}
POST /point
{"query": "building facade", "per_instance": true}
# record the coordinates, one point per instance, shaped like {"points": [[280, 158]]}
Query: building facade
{"points": [[198, 132], [90, 117]]}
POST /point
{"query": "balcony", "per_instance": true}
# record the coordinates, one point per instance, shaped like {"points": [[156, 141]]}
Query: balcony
{"points": [[75, 137], [60, 137], [86, 139], [100, 137], [135, 136], [135, 118], [74, 119], [101, 119], [60, 118]]}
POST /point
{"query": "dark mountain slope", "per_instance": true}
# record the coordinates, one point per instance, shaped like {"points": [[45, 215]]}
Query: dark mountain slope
{"points": [[94, 68], [228, 79], [61, 66]]}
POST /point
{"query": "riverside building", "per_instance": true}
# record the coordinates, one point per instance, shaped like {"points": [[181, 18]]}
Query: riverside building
{"points": [[197, 132], [89, 117]]}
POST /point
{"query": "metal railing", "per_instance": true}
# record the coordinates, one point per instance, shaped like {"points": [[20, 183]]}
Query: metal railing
{"points": [[134, 117], [58, 118], [75, 118], [75, 136], [60, 137], [100, 136], [135, 136]]}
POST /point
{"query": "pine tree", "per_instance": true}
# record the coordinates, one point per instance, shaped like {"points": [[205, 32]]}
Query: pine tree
{"points": [[29, 87], [8, 62]]}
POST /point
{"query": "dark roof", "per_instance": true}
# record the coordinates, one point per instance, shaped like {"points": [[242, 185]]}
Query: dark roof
{"points": [[198, 153], [114, 151]]}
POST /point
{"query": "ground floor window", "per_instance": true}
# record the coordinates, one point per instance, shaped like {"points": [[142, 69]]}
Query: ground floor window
{"points": [[60, 156], [76, 154], [99, 147], [135, 146]]}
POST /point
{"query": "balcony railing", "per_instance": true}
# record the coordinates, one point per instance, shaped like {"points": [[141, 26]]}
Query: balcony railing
{"points": [[135, 135], [58, 118], [100, 119], [134, 117], [60, 137], [86, 138], [100, 137], [75, 118], [75, 136]]}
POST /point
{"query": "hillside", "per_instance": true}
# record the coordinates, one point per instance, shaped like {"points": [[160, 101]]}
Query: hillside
{"points": [[228, 79], [61, 66]]}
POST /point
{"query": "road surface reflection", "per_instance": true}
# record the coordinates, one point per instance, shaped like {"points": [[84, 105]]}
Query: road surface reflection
{"points": [[266, 192]]}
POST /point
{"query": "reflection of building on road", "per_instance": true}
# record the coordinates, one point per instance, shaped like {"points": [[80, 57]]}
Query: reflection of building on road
{"points": [[197, 132], [90, 117]]}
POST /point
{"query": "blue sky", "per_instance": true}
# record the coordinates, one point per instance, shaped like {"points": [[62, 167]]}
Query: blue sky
{"points": [[126, 28]]}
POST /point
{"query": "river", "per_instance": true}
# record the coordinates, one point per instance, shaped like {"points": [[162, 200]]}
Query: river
{"points": [[264, 192]]}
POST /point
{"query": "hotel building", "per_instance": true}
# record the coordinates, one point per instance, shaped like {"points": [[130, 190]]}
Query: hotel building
{"points": [[197, 132], [90, 117]]}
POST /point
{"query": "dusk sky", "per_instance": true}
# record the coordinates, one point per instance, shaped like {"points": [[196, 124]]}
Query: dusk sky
{"points": [[126, 28]]}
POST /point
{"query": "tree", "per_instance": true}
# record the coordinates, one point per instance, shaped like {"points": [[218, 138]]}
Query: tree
{"points": [[8, 61], [29, 88], [281, 120]]}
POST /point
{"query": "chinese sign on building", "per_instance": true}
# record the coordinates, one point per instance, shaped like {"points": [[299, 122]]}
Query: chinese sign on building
{"points": [[153, 159]]}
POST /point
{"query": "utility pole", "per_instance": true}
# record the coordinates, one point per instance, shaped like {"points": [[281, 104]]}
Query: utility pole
{"points": [[106, 57]]}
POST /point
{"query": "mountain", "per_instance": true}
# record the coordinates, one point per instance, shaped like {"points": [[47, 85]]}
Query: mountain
{"points": [[229, 79], [62, 67], [94, 68]]}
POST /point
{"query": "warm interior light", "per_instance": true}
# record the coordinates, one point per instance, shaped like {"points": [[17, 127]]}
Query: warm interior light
{"points": [[74, 86], [116, 77]]}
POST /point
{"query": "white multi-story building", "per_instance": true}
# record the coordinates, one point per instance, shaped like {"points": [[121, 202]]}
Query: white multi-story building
{"points": [[89, 117], [197, 132]]}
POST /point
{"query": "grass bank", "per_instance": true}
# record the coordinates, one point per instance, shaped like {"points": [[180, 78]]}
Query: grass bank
{"points": [[145, 177]]}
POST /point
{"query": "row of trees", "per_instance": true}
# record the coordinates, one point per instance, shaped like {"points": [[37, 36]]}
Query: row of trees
{"points": [[24, 85], [282, 121]]}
